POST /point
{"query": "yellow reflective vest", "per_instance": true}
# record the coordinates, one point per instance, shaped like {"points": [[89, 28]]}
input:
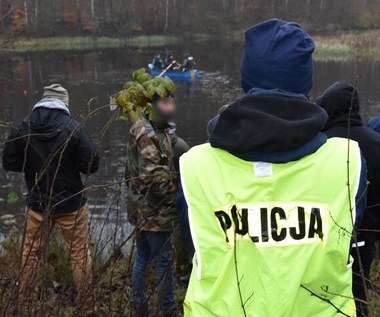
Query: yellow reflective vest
{"points": [[271, 240]]}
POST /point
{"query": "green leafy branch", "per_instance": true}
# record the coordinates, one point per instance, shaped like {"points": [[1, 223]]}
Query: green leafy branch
{"points": [[135, 99]]}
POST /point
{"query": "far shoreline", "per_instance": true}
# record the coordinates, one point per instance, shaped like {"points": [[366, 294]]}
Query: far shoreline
{"points": [[342, 46]]}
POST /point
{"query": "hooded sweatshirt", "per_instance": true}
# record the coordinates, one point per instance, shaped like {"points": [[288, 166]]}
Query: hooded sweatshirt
{"points": [[274, 122], [341, 102], [266, 126], [51, 149], [343, 122]]}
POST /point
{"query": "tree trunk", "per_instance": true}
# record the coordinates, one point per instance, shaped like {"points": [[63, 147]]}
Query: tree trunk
{"points": [[77, 2], [166, 16], [26, 13], [36, 14], [92, 10]]}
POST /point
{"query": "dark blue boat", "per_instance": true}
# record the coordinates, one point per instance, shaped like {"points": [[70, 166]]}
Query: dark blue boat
{"points": [[177, 74]]}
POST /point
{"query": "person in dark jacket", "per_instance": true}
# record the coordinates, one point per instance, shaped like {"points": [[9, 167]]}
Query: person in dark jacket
{"points": [[341, 102], [179, 146], [157, 62], [170, 61], [182, 241], [52, 150], [188, 62], [274, 122], [374, 124]]}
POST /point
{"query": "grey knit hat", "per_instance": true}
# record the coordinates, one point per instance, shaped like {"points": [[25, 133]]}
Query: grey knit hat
{"points": [[56, 91]]}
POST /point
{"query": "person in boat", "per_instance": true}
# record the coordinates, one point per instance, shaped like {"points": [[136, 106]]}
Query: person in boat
{"points": [[188, 62], [157, 62], [53, 150], [267, 197], [152, 187], [170, 61], [342, 104]]}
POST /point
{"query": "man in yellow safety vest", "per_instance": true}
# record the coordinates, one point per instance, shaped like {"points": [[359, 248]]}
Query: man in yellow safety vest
{"points": [[272, 203]]}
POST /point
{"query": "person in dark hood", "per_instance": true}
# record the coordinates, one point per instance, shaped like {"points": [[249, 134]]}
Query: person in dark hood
{"points": [[188, 62], [267, 162], [179, 145], [212, 123], [52, 150], [342, 104], [170, 61], [157, 62]]}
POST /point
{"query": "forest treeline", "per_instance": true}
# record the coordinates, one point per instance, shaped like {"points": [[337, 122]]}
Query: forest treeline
{"points": [[178, 17]]}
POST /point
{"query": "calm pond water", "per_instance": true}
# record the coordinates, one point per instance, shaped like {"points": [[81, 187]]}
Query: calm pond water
{"points": [[92, 76]]}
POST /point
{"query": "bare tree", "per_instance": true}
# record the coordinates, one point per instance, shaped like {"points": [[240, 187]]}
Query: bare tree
{"points": [[166, 15], [26, 13], [92, 10]]}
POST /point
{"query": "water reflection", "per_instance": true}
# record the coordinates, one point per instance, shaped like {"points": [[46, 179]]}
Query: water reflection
{"points": [[91, 76]]}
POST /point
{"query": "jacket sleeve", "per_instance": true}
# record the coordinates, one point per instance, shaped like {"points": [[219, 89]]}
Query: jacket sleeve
{"points": [[361, 195], [183, 217], [154, 175], [88, 158], [13, 154]]}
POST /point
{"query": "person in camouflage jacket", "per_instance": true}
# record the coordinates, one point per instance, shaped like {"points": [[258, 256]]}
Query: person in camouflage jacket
{"points": [[151, 179]]}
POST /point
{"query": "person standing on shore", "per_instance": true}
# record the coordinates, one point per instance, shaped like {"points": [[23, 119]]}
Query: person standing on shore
{"points": [[52, 150], [271, 204], [152, 186], [342, 104]]}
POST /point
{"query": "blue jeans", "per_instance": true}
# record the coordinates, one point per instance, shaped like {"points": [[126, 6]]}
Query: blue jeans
{"points": [[156, 248]]}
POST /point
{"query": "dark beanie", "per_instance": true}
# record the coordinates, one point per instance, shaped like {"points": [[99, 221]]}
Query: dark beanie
{"points": [[278, 55]]}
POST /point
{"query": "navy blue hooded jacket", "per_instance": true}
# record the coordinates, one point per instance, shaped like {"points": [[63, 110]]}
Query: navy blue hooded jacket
{"points": [[52, 150], [337, 101]]}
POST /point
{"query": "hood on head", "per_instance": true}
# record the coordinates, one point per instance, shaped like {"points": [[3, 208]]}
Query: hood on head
{"points": [[45, 123], [341, 102], [267, 124], [212, 123], [52, 103], [278, 55]]}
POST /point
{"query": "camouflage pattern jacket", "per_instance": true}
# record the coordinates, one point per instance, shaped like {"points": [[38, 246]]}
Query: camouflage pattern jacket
{"points": [[151, 178]]}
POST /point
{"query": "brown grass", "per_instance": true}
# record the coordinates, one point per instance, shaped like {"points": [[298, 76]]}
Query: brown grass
{"points": [[353, 43]]}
